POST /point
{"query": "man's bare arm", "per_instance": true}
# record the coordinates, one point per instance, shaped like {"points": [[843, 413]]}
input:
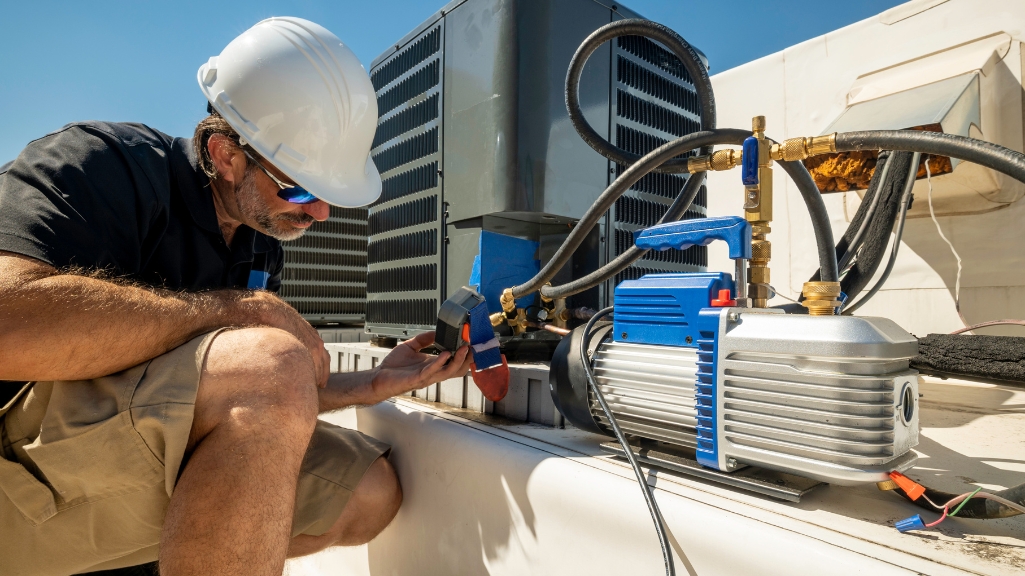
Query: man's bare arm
{"points": [[56, 326], [405, 368]]}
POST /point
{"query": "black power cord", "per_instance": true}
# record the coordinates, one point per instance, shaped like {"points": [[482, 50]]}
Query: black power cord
{"points": [[649, 499]]}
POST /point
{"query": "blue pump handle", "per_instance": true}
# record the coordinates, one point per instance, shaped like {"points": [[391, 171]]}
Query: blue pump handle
{"points": [[734, 230]]}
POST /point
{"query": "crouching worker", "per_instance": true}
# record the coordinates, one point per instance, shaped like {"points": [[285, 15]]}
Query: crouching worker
{"points": [[158, 400]]}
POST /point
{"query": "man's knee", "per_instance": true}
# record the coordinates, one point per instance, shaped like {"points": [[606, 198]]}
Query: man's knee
{"points": [[373, 505], [254, 374]]}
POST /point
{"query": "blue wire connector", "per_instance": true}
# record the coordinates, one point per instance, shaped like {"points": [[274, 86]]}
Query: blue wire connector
{"points": [[913, 523]]}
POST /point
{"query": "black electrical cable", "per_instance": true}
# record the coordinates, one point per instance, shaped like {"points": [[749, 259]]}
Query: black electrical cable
{"points": [[608, 198], [905, 203], [678, 46], [649, 499]]}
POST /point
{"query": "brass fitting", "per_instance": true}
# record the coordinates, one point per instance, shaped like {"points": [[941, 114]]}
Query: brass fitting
{"points": [[507, 301], [718, 160], [541, 293], [519, 323], [497, 319], [821, 298], [887, 485], [801, 148], [560, 315], [758, 211]]}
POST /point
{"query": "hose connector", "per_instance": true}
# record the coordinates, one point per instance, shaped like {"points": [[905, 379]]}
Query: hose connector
{"points": [[801, 148], [719, 160], [497, 319], [821, 298], [508, 301]]}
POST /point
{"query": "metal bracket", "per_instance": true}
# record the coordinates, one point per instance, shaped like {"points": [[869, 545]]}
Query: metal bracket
{"points": [[778, 485]]}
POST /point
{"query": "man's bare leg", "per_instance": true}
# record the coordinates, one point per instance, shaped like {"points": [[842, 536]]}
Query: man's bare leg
{"points": [[372, 506], [231, 512]]}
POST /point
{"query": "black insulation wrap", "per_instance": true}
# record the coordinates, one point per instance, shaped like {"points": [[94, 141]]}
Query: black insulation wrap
{"points": [[998, 359], [888, 185], [608, 198], [678, 46]]}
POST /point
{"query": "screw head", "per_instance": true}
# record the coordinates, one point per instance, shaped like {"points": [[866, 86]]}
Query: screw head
{"points": [[733, 317], [688, 339], [624, 335], [731, 463]]}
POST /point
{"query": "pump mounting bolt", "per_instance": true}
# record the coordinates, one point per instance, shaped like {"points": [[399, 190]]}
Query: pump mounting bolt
{"points": [[731, 463]]}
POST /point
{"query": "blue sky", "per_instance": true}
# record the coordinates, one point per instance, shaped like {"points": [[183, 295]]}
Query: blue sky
{"points": [[137, 60]]}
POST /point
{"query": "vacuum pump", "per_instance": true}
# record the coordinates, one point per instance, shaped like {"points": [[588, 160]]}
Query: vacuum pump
{"points": [[825, 397]]}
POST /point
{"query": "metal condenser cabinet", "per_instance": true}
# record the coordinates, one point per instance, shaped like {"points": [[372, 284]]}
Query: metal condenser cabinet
{"points": [[474, 144]]}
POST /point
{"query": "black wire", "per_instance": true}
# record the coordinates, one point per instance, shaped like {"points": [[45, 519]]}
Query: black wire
{"points": [[649, 499]]}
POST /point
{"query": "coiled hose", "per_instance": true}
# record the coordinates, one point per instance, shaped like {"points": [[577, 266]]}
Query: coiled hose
{"points": [[662, 159]]}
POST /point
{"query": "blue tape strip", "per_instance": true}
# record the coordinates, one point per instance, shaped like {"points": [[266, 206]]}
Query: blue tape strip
{"points": [[481, 332]]}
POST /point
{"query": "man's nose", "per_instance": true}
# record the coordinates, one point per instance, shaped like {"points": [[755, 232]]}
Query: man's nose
{"points": [[319, 210]]}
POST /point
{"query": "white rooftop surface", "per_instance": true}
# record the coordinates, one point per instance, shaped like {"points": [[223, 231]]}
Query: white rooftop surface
{"points": [[487, 496]]}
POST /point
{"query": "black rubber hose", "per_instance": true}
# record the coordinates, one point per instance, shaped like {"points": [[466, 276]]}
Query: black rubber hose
{"points": [[678, 46], [937, 144], [797, 172], [828, 269], [607, 198], [676, 211], [977, 508], [905, 203], [649, 499]]}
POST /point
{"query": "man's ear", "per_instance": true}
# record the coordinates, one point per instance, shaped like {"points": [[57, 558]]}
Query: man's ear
{"points": [[227, 158]]}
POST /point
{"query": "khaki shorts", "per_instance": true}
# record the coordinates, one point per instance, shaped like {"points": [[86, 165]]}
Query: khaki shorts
{"points": [[88, 467]]}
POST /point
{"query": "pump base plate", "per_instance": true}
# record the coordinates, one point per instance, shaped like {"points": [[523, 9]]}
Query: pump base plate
{"points": [[778, 485]]}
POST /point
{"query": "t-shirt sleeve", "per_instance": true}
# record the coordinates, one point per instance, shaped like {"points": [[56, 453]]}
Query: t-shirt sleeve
{"points": [[76, 198], [276, 267]]}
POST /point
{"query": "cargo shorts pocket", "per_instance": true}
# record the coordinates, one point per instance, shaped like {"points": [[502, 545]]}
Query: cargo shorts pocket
{"points": [[30, 496], [105, 459]]}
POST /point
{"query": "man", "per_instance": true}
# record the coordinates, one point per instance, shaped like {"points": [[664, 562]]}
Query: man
{"points": [[158, 401]]}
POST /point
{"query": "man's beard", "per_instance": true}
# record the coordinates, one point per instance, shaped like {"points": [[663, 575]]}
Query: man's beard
{"points": [[253, 208]]}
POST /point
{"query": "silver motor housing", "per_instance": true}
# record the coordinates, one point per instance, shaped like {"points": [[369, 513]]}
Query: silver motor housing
{"points": [[829, 398]]}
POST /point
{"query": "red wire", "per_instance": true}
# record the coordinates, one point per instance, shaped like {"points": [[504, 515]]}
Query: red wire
{"points": [[942, 518]]}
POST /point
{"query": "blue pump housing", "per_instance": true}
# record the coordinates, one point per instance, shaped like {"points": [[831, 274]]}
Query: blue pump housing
{"points": [[675, 310]]}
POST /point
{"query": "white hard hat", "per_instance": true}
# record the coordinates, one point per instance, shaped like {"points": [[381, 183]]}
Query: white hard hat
{"points": [[301, 99]]}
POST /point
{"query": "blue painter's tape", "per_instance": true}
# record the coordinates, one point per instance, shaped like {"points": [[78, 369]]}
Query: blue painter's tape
{"points": [[258, 279], [502, 262]]}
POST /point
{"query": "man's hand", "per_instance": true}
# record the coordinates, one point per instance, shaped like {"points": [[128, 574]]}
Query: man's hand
{"points": [[406, 368]]}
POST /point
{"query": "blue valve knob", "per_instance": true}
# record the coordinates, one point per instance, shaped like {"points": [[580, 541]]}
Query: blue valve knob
{"points": [[749, 162], [733, 230]]}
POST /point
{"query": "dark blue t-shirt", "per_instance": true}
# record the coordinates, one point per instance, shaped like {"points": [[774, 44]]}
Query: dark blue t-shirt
{"points": [[131, 201]]}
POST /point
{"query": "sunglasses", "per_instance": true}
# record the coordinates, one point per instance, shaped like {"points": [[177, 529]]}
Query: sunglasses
{"points": [[287, 192]]}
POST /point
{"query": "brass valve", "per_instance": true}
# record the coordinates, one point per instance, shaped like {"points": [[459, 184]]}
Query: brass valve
{"points": [[758, 211], [821, 298]]}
